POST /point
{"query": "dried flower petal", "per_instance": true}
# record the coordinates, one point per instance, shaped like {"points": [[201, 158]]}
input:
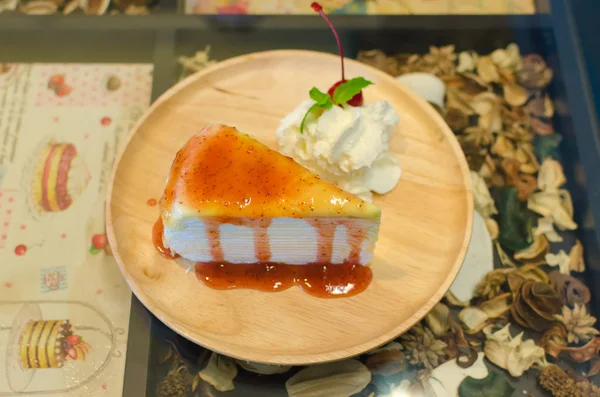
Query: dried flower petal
{"points": [[557, 205], [491, 285], [571, 290], [386, 362], [438, 319], [545, 227], [473, 318], [219, 372], [515, 95], [422, 347], [578, 323], [576, 263], [477, 135], [505, 259], [547, 146], [467, 60], [503, 147], [339, 378], [534, 304], [497, 306], [561, 260], [457, 100], [487, 70], [492, 228], [512, 354], [541, 107], [551, 176], [554, 340], [509, 58], [484, 204], [537, 250]]}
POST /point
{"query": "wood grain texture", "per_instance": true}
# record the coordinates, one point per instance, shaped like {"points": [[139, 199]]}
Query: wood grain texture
{"points": [[425, 229]]}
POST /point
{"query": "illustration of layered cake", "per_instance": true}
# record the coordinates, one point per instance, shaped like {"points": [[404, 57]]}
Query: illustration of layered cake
{"points": [[60, 177], [49, 344]]}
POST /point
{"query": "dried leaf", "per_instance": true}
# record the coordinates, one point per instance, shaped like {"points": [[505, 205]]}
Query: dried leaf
{"points": [[576, 262], [467, 61], [437, 319], [555, 204], [584, 353], [497, 306], [515, 227], [571, 290], [263, 369], [534, 304], [488, 106], [532, 272], [219, 372], [457, 100], [551, 176], [536, 252], [515, 95], [509, 58], [546, 227], [554, 340], [473, 318], [487, 70], [492, 227], [504, 257], [386, 362], [484, 204], [504, 147], [340, 378], [454, 301], [541, 107], [512, 354], [547, 146], [529, 163], [494, 385], [456, 119]]}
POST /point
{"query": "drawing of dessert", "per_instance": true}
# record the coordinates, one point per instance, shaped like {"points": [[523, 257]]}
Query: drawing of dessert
{"points": [[58, 177], [48, 344]]}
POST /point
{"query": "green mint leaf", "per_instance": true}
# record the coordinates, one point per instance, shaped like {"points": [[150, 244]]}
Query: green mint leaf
{"points": [[312, 109], [321, 98], [346, 91], [94, 250]]}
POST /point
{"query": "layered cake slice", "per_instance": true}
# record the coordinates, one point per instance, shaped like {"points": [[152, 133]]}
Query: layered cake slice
{"points": [[231, 200]]}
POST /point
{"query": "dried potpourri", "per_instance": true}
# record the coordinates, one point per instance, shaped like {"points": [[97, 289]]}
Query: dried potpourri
{"points": [[529, 312], [501, 113]]}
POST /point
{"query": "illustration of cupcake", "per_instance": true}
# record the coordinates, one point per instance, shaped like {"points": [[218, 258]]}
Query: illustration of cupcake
{"points": [[49, 343], [59, 177]]}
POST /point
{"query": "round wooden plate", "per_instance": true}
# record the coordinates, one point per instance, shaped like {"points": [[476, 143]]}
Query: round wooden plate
{"points": [[425, 226]]}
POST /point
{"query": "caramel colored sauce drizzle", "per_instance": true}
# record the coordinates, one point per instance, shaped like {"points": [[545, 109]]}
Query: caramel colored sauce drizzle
{"points": [[320, 279], [157, 239]]}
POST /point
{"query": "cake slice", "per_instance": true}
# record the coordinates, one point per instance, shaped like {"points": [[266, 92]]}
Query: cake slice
{"points": [[231, 199]]}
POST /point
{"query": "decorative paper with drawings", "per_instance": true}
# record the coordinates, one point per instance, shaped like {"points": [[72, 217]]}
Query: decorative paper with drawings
{"points": [[64, 307], [361, 6]]}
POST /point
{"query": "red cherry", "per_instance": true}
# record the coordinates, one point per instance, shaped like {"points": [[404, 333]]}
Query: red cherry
{"points": [[357, 100], [20, 249], [105, 121], [99, 241]]}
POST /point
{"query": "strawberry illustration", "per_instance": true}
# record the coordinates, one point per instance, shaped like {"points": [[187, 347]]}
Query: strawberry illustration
{"points": [[62, 90], [73, 340], [99, 243], [72, 353], [56, 81]]}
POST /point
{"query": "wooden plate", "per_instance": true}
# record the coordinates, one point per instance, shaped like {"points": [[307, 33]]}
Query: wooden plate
{"points": [[425, 227]]}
